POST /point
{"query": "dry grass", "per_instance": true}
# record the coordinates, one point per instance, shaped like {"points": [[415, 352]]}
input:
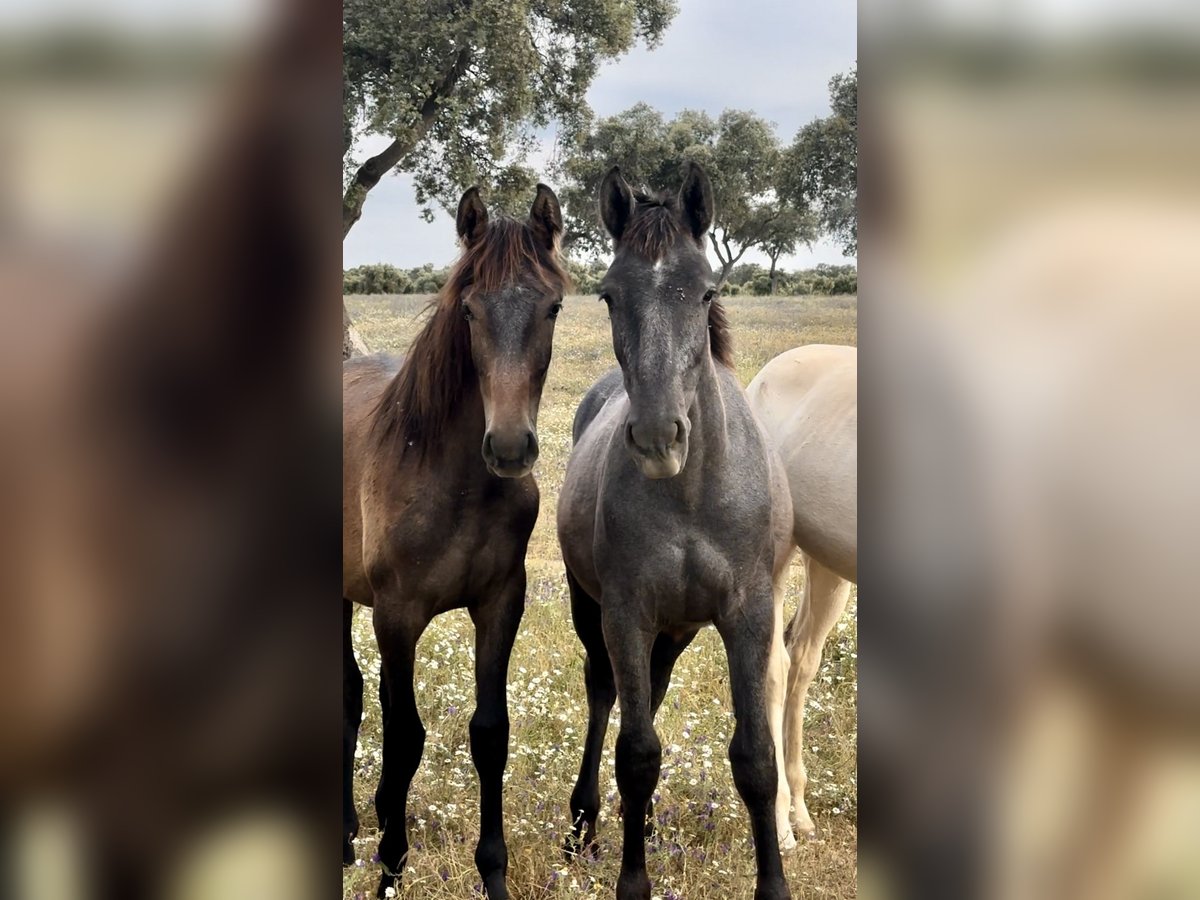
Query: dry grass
{"points": [[702, 848]]}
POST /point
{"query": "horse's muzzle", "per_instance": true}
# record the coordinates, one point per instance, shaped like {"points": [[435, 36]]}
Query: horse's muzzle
{"points": [[510, 454], [659, 448]]}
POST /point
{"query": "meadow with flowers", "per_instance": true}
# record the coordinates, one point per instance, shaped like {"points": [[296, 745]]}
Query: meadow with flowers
{"points": [[701, 847]]}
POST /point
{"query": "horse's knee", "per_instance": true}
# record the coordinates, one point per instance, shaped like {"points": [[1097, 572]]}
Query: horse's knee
{"points": [[752, 759], [639, 760]]}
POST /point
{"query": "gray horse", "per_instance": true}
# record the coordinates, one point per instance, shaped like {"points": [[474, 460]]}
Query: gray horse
{"points": [[674, 514]]}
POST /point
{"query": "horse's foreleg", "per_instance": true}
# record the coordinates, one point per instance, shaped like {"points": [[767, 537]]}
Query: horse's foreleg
{"points": [[403, 736], [748, 638], [352, 707], [496, 623], [821, 605], [601, 695], [639, 752]]}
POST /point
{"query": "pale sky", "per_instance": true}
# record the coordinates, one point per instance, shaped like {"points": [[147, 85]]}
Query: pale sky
{"points": [[773, 57]]}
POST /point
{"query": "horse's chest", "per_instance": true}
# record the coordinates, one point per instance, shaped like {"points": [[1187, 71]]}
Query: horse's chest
{"points": [[450, 555], [689, 566]]}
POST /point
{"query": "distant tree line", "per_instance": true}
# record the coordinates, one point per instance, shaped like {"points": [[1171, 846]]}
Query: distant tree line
{"points": [[384, 278], [751, 278], [747, 278]]}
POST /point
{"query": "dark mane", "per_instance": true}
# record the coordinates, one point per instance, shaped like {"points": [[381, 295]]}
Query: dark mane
{"points": [[720, 338], [653, 228], [417, 405], [654, 225]]}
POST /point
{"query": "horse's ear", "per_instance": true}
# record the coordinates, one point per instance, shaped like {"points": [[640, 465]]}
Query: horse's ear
{"points": [[696, 201], [472, 217], [545, 217], [616, 203]]}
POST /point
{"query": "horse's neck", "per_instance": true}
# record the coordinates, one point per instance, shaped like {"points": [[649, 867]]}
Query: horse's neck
{"points": [[464, 434], [709, 437]]}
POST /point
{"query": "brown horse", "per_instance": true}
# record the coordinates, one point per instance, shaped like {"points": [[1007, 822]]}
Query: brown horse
{"points": [[438, 503]]}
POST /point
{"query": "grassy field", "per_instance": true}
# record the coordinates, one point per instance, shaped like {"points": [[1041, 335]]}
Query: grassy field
{"points": [[702, 847]]}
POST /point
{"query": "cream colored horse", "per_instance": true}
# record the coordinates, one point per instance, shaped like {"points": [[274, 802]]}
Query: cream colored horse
{"points": [[807, 401]]}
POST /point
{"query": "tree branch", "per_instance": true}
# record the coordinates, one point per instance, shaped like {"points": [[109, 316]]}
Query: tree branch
{"points": [[370, 172], [712, 236]]}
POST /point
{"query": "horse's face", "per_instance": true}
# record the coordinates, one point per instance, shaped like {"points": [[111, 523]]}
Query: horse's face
{"points": [[512, 330], [658, 290]]}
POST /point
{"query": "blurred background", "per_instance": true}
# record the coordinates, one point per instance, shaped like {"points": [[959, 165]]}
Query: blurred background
{"points": [[168, 434], [1029, 690]]}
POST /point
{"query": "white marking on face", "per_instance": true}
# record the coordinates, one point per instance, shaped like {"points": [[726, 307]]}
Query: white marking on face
{"points": [[658, 273]]}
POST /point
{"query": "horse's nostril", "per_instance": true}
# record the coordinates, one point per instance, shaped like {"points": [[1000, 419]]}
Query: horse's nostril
{"points": [[531, 446], [488, 453], [680, 431]]}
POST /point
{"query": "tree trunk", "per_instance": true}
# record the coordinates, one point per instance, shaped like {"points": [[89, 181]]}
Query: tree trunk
{"points": [[367, 176], [352, 342], [723, 275], [728, 258], [774, 260], [370, 173]]}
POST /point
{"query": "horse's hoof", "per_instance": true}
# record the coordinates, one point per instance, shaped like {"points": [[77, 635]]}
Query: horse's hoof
{"points": [[496, 889], [804, 827], [787, 842], [348, 857], [773, 892]]}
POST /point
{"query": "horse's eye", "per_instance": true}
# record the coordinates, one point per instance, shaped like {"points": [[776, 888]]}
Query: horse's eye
{"points": [[466, 313], [709, 295], [555, 310]]}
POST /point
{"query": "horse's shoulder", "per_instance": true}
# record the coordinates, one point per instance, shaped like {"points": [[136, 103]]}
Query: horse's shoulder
{"points": [[593, 401]]}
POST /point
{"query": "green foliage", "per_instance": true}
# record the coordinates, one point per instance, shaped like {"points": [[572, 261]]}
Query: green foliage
{"points": [[739, 150], [458, 85], [820, 170], [824, 279], [382, 278], [586, 275]]}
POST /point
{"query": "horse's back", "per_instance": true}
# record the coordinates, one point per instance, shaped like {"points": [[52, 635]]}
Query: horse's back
{"points": [[807, 400], [363, 381]]}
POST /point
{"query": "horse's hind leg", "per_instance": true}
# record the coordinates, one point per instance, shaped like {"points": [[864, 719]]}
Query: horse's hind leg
{"points": [[601, 694], [663, 657], [821, 605], [747, 639], [496, 624], [777, 680], [352, 707], [403, 735]]}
